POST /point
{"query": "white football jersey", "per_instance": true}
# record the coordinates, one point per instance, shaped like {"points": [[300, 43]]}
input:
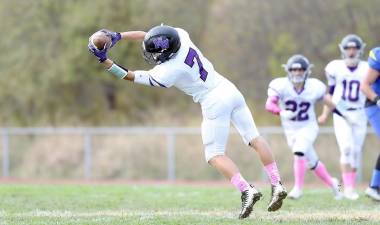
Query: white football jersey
{"points": [[347, 83], [300, 102], [188, 70]]}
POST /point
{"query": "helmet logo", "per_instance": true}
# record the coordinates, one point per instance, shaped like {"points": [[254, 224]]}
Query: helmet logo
{"points": [[161, 42]]}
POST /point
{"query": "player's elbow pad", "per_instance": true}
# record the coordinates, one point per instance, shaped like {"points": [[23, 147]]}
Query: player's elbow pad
{"points": [[272, 105]]}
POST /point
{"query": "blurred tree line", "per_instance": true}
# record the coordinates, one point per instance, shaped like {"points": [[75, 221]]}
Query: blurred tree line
{"points": [[47, 76]]}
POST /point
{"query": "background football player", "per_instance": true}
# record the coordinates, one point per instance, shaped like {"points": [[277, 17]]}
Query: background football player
{"points": [[293, 98], [344, 77], [370, 86], [179, 63]]}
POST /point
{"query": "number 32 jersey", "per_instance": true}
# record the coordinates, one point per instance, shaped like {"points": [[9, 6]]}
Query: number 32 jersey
{"points": [[188, 70], [347, 83], [301, 102]]}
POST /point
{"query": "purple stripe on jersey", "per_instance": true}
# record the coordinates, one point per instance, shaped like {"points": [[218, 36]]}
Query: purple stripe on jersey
{"points": [[151, 83], [352, 69], [331, 89], [300, 91], [337, 112]]}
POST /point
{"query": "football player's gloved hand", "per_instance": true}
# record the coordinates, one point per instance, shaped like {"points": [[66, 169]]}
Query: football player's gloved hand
{"points": [[100, 54], [287, 114], [377, 101], [115, 36]]}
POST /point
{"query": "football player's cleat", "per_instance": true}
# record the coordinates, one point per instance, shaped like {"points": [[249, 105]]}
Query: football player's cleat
{"points": [[373, 193], [350, 193], [248, 199], [336, 189], [278, 194], [295, 193]]}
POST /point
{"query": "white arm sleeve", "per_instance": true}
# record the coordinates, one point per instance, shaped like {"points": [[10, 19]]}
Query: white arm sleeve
{"points": [[330, 73]]}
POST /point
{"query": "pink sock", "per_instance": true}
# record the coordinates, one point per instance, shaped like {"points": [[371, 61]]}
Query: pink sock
{"points": [[322, 173], [299, 166], [347, 182], [239, 182], [353, 178], [272, 172]]}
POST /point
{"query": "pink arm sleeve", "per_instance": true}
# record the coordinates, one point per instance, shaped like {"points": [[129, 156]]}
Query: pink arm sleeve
{"points": [[272, 105]]}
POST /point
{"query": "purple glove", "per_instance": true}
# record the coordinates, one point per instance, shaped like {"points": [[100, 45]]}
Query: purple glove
{"points": [[115, 36], [100, 54]]}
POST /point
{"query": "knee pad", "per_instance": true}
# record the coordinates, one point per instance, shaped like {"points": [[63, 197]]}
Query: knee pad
{"points": [[211, 151], [312, 159], [346, 156], [302, 146], [355, 159], [314, 165]]}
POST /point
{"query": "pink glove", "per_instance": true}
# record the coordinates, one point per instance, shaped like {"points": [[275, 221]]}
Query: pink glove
{"points": [[272, 105]]}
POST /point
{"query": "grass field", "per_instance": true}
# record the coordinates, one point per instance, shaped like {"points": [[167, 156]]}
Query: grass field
{"points": [[169, 204]]}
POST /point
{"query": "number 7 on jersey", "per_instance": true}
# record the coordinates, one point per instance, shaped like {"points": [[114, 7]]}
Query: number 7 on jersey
{"points": [[190, 62]]}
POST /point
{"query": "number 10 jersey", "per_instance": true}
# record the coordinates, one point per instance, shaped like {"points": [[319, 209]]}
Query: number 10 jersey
{"points": [[347, 83]]}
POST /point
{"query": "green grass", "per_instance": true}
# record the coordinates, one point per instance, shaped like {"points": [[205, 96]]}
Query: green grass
{"points": [[166, 204]]}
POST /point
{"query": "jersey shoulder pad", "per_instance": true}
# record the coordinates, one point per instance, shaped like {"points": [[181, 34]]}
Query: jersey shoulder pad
{"points": [[374, 58], [164, 74], [182, 32], [375, 54], [319, 88], [331, 66], [317, 82], [364, 64], [278, 83]]}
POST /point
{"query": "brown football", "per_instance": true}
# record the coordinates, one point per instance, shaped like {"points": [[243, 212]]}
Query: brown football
{"points": [[100, 40]]}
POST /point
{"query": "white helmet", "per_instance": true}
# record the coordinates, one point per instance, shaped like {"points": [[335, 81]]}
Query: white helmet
{"points": [[298, 62], [352, 41]]}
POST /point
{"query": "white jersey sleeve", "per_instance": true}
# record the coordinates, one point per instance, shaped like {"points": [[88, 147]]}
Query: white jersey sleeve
{"points": [[159, 76], [275, 87], [319, 88], [330, 73]]}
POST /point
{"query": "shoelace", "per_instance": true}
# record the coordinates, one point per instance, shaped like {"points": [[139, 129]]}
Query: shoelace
{"points": [[244, 199]]}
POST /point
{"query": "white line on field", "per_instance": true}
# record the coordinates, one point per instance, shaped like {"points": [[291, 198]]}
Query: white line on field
{"points": [[281, 215]]}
